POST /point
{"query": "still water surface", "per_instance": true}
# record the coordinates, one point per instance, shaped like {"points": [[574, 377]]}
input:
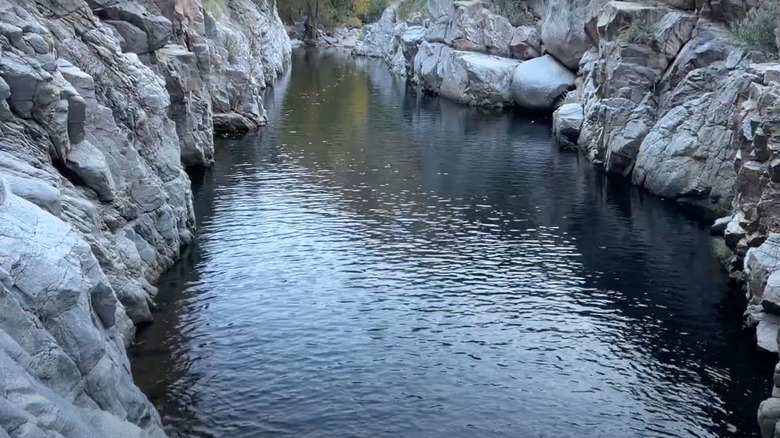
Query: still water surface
{"points": [[378, 263]]}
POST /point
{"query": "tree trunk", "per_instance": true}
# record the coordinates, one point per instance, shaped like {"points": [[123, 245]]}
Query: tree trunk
{"points": [[310, 25]]}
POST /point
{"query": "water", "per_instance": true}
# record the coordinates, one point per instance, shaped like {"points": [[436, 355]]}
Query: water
{"points": [[378, 263]]}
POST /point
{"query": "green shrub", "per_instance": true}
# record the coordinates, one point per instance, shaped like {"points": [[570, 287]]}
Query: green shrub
{"points": [[409, 7], [375, 9], [640, 31], [756, 31], [230, 43]]}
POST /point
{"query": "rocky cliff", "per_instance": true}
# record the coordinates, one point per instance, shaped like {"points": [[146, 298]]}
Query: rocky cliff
{"points": [[665, 96], [103, 104]]}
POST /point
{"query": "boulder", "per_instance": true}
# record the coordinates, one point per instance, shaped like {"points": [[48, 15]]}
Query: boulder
{"points": [[768, 416], [525, 43], [474, 28], [539, 83], [563, 29], [465, 77], [771, 297], [379, 38], [233, 123], [766, 333], [567, 122], [760, 263]]}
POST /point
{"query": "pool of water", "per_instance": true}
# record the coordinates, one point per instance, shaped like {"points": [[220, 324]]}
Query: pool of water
{"points": [[381, 263]]}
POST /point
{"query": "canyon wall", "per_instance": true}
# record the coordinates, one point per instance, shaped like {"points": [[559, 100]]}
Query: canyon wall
{"points": [[665, 95], [102, 105]]}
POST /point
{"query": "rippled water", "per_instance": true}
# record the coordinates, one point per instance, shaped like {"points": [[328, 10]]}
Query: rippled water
{"points": [[378, 263]]}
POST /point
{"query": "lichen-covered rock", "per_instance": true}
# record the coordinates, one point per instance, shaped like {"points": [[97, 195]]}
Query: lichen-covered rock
{"points": [[538, 84]]}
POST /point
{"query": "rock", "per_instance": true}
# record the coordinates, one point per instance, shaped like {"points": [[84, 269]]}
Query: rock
{"points": [[771, 296], [688, 155], [465, 77], [725, 10], [734, 233], [567, 121], [378, 41], [538, 84], [474, 28], [563, 29], [233, 123], [768, 416], [760, 263], [157, 28], [94, 201], [190, 104], [766, 333], [90, 165], [132, 39], [440, 9], [525, 43], [235, 42], [718, 228]]}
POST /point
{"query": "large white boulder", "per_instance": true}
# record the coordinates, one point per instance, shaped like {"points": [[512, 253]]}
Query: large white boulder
{"points": [[539, 83]]}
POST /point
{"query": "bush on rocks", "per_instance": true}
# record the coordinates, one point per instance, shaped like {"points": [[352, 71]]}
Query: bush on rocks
{"points": [[756, 31]]}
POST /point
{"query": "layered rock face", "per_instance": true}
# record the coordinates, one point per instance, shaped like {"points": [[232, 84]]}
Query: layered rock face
{"points": [[102, 104], [468, 54]]}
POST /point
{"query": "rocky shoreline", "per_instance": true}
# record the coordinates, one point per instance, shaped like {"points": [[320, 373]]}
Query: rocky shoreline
{"points": [[104, 103], [661, 93]]}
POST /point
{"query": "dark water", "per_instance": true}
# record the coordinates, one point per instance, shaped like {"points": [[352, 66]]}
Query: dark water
{"points": [[378, 263]]}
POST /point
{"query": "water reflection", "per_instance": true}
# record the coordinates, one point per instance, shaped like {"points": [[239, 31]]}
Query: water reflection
{"points": [[383, 263]]}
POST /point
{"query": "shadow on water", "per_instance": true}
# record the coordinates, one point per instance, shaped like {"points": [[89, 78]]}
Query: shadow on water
{"points": [[378, 262]]}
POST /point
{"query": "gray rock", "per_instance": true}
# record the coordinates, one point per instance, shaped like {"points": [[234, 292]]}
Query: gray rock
{"points": [[465, 77], [563, 29], [233, 123], [766, 333], [567, 122], [379, 39], [538, 84], [440, 9], [525, 43], [132, 39], [474, 28], [190, 104], [771, 296], [760, 263], [768, 416], [718, 228], [157, 28], [86, 161]]}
